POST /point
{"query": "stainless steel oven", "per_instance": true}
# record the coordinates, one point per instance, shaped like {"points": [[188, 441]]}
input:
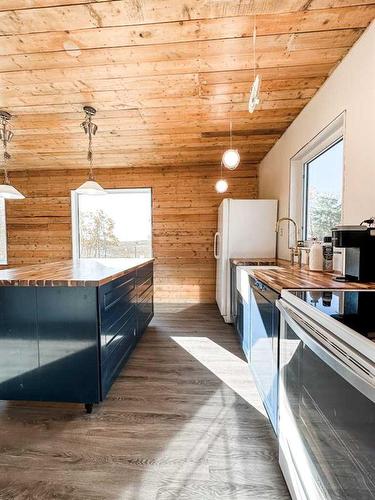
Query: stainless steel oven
{"points": [[326, 409]]}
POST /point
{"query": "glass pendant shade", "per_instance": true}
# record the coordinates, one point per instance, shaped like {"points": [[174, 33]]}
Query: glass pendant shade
{"points": [[231, 159], [221, 186], [90, 187], [9, 192]]}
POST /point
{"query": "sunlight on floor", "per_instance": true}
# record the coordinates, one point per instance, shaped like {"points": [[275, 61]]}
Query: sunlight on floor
{"points": [[230, 369]]}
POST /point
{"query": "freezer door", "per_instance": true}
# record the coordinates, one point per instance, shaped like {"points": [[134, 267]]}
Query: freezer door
{"points": [[252, 228]]}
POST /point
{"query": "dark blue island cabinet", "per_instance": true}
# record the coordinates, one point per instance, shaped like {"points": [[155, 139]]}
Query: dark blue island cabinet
{"points": [[67, 328]]}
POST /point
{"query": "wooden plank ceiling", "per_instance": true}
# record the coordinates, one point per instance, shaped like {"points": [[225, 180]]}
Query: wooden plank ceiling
{"points": [[165, 75]]}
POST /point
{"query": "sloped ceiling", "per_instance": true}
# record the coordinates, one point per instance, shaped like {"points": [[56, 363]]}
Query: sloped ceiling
{"points": [[165, 75]]}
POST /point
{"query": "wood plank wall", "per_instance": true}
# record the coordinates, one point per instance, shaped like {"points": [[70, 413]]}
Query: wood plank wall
{"points": [[184, 220]]}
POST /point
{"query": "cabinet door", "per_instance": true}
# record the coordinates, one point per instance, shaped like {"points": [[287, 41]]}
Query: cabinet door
{"points": [[19, 377], [68, 344]]}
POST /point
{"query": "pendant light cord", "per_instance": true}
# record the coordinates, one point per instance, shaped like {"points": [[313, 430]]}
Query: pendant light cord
{"points": [[5, 146], [230, 133], [90, 128], [254, 42], [89, 152]]}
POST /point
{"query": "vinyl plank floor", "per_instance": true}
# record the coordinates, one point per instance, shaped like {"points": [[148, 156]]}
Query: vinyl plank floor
{"points": [[182, 421]]}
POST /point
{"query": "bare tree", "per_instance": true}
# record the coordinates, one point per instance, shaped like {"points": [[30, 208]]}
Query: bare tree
{"points": [[97, 237]]}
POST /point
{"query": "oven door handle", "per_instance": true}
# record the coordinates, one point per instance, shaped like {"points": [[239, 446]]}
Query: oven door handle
{"points": [[359, 374]]}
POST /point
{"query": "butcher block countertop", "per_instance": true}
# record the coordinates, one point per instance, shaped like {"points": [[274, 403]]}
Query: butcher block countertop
{"points": [[257, 261], [79, 272], [288, 276]]}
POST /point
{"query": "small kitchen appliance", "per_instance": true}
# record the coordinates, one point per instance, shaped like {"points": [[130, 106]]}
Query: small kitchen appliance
{"points": [[359, 244]]}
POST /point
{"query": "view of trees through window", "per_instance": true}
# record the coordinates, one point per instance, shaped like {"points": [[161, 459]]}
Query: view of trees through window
{"points": [[323, 192], [3, 233], [117, 224]]}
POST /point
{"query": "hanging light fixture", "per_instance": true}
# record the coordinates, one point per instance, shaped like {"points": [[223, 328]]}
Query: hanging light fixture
{"points": [[221, 185], [6, 190], [231, 157], [254, 99], [90, 186]]}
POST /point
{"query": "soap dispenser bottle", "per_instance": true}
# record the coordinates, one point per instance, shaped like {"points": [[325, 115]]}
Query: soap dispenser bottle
{"points": [[316, 256]]}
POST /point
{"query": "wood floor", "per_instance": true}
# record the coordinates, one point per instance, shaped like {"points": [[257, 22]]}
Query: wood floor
{"points": [[181, 422]]}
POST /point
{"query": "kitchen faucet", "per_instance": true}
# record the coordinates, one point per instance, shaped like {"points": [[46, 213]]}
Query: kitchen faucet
{"points": [[295, 250]]}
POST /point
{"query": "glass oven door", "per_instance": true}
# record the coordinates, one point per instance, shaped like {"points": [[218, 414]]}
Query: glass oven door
{"points": [[327, 413], [264, 328]]}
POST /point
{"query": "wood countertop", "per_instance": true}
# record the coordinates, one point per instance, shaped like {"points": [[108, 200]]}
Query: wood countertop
{"points": [[79, 272], [288, 276], [256, 261]]}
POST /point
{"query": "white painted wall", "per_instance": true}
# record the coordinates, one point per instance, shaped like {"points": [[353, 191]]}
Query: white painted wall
{"points": [[350, 88]]}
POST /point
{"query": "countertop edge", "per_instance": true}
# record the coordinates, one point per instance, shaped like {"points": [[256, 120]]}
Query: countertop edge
{"points": [[67, 282]]}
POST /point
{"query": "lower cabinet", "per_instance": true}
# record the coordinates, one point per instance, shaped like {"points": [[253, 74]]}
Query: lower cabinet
{"points": [[69, 343]]}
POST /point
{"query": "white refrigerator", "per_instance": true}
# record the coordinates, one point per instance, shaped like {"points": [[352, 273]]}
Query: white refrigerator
{"points": [[246, 229]]}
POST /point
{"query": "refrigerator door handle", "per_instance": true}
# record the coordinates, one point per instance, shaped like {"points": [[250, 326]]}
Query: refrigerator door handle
{"points": [[216, 255]]}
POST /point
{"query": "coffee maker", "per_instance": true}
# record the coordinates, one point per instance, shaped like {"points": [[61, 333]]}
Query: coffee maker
{"points": [[359, 244]]}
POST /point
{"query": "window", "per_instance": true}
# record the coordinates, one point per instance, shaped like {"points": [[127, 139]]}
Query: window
{"points": [[317, 181], [3, 233], [323, 179], [114, 225]]}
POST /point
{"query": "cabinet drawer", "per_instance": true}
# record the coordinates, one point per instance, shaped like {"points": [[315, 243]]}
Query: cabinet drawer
{"points": [[117, 350], [124, 332], [117, 291], [144, 273], [143, 287], [145, 310], [115, 300], [114, 329]]}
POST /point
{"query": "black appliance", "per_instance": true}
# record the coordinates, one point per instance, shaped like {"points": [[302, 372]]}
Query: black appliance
{"points": [[359, 244]]}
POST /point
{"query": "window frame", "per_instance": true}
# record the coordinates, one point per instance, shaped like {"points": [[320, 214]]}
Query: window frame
{"points": [[323, 140], [75, 218], [5, 261], [305, 181]]}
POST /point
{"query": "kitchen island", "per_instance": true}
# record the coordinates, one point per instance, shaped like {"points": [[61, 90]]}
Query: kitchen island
{"points": [[66, 328]]}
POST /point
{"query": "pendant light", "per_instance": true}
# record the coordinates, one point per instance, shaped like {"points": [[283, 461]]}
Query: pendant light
{"points": [[90, 186], [221, 185], [231, 157], [254, 99], [7, 191]]}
